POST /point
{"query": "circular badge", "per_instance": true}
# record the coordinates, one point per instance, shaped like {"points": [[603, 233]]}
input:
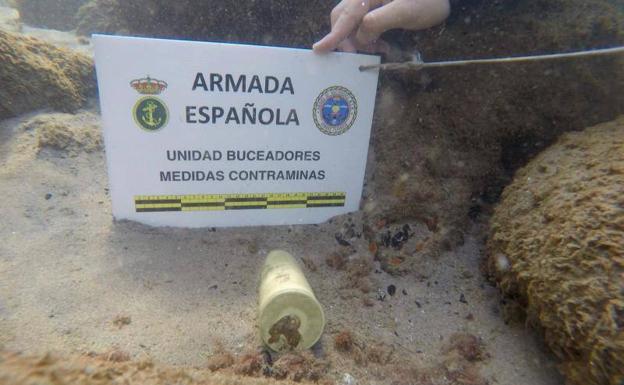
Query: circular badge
{"points": [[150, 113], [335, 110]]}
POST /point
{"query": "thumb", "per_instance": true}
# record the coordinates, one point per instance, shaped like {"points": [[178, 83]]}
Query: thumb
{"points": [[373, 25], [350, 16], [377, 22], [406, 14]]}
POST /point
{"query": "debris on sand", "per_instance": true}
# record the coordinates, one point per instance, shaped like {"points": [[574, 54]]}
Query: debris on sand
{"points": [[343, 341], [336, 260], [122, 320], [459, 365], [468, 346], [220, 361], [66, 132], [116, 355], [299, 366]]}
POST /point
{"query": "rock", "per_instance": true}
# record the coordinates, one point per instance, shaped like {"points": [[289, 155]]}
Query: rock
{"points": [[100, 16], [70, 134], [55, 135], [38, 75], [54, 14], [280, 22], [61, 39], [447, 139], [9, 18], [560, 230]]}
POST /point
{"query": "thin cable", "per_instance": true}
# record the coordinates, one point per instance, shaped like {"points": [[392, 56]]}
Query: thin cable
{"points": [[418, 65]]}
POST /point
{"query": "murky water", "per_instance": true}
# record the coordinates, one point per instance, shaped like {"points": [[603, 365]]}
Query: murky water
{"points": [[487, 247]]}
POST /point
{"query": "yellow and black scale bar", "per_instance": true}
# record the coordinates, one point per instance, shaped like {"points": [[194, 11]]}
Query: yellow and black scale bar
{"points": [[219, 202]]}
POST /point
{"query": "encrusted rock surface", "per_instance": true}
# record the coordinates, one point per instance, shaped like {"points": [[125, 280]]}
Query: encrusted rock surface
{"points": [[70, 133], [55, 14], [37, 75], [557, 249], [280, 22]]}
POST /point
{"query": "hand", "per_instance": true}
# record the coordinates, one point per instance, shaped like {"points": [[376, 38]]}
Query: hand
{"points": [[357, 24]]}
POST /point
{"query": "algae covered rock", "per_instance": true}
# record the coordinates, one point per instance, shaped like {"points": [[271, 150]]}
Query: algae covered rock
{"points": [[557, 249], [280, 22], [100, 16], [68, 133], [9, 18], [447, 140], [37, 75], [54, 14]]}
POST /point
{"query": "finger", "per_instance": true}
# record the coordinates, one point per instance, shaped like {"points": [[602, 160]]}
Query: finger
{"points": [[351, 15], [335, 13], [347, 45], [406, 14], [333, 17]]}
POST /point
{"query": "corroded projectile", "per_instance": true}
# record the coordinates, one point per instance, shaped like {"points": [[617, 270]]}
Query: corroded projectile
{"points": [[290, 316]]}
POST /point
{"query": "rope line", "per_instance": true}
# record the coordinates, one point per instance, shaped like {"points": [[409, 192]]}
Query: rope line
{"points": [[416, 64]]}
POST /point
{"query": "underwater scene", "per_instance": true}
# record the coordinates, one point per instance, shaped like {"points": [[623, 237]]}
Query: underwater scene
{"points": [[484, 243]]}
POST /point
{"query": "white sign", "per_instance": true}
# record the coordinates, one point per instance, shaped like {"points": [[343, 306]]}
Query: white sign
{"points": [[206, 134]]}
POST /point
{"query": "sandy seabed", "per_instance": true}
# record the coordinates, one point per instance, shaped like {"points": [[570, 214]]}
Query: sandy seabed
{"points": [[75, 282], [72, 280]]}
